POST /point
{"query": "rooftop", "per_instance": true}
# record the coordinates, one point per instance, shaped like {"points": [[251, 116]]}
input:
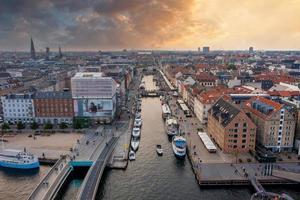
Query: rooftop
{"points": [[225, 111], [53, 95]]}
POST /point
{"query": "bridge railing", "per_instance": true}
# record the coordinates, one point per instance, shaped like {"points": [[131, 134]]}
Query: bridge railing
{"points": [[44, 180]]}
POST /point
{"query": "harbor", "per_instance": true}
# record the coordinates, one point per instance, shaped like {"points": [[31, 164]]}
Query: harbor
{"points": [[164, 173]]}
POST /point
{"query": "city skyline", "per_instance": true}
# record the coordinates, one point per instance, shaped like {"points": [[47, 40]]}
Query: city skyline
{"points": [[159, 25]]}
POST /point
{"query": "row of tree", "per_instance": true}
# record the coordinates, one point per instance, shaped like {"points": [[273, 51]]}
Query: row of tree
{"points": [[34, 126]]}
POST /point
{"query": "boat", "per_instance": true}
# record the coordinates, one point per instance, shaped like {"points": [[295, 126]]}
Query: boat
{"points": [[131, 155], [136, 132], [171, 127], [159, 150], [179, 146], [137, 122], [166, 112], [18, 159], [135, 143]]}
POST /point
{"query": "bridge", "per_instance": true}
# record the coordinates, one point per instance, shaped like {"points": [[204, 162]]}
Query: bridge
{"points": [[91, 182], [92, 150]]}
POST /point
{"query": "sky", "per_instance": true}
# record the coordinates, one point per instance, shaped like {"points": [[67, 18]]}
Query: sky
{"points": [[150, 24]]}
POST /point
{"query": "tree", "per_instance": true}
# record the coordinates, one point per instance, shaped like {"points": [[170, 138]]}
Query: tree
{"points": [[5, 126], [34, 126], [48, 125], [231, 67], [63, 125], [20, 125], [77, 124]]}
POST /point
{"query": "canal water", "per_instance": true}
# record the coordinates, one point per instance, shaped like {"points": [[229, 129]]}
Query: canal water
{"points": [[18, 184], [154, 177]]}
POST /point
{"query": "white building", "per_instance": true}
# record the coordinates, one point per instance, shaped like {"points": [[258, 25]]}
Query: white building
{"points": [[18, 107], [94, 96]]}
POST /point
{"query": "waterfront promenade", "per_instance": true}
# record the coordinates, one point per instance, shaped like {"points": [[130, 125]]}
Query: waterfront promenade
{"points": [[220, 168]]}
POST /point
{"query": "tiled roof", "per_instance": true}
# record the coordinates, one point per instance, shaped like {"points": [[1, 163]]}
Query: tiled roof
{"points": [[225, 111], [53, 95], [274, 105]]}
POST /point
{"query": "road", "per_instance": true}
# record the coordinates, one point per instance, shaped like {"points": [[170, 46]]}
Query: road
{"points": [[91, 184]]}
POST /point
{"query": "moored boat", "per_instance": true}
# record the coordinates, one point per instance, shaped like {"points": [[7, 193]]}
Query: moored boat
{"points": [[179, 146], [135, 143], [137, 122], [136, 132], [131, 155], [171, 127], [18, 159]]}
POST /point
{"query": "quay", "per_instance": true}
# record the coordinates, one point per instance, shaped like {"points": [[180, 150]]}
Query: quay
{"points": [[220, 169]]}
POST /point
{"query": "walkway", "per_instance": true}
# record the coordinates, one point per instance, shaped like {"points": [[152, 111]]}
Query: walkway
{"points": [[90, 185]]}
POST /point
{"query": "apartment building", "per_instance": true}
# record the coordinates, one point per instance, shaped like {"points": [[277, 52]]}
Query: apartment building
{"points": [[275, 123], [18, 107], [53, 107], [231, 128]]}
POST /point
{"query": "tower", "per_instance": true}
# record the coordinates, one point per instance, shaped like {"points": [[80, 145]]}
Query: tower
{"points": [[47, 53], [59, 52], [32, 50]]}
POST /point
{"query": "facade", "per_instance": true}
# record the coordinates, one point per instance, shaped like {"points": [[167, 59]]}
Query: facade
{"points": [[94, 96], [53, 107], [18, 107], [275, 123], [231, 128]]}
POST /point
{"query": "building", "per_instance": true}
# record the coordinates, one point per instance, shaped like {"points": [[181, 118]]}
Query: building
{"points": [[275, 123], [231, 128], [32, 50], [18, 107], [251, 50], [205, 49], [94, 96], [53, 107]]}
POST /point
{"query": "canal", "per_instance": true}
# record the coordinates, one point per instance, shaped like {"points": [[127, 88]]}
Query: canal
{"points": [[154, 177]]}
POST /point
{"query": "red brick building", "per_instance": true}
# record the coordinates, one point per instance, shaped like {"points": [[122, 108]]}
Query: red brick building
{"points": [[231, 128], [53, 107]]}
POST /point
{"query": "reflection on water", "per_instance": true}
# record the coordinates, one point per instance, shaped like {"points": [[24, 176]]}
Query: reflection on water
{"points": [[18, 184]]}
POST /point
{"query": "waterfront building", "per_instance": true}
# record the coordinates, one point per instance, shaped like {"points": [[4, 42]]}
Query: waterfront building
{"points": [[18, 107], [231, 128], [275, 123], [94, 96], [53, 107]]}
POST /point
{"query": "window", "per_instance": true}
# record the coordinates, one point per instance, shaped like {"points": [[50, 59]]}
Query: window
{"points": [[243, 141], [244, 130], [235, 130], [236, 125], [243, 146], [245, 124]]}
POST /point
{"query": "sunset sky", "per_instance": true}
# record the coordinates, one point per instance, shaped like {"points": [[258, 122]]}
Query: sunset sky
{"points": [[150, 24]]}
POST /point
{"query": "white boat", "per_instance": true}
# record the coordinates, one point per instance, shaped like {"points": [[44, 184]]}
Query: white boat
{"points": [[136, 132], [137, 122], [131, 155], [171, 127], [166, 112], [138, 115], [18, 159], [179, 146], [159, 150], [135, 143]]}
